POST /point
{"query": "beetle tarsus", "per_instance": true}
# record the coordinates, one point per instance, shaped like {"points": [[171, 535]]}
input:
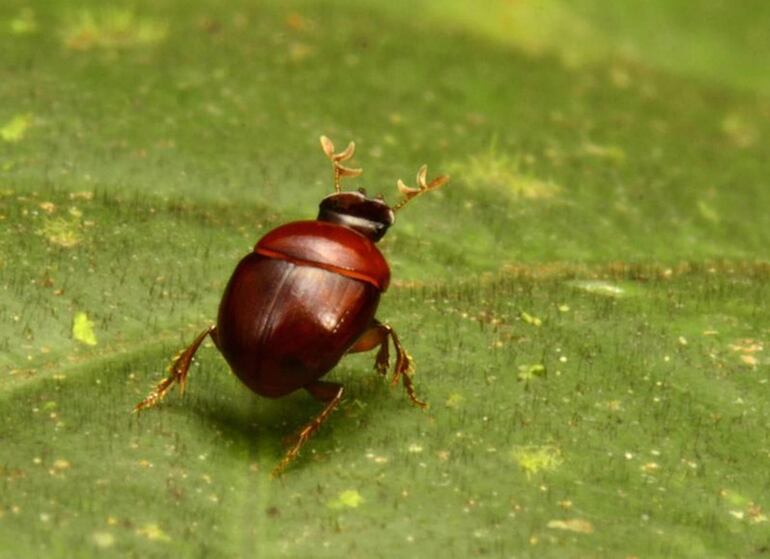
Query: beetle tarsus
{"points": [[327, 392], [382, 361], [380, 334], [177, 372], [404, 371], [157, 394]]}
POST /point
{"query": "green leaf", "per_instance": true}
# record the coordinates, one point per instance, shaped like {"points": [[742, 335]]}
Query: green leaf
{"points": [[174, 134]]}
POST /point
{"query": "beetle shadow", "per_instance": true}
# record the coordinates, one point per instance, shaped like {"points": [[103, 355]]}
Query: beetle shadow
{"points": [[264, 425], [255, 419]]}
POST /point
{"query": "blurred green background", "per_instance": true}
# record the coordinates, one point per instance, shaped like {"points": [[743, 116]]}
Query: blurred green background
{"points": [[586, 301]]}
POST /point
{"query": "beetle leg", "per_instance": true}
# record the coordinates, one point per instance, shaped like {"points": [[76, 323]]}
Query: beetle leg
{"points": [[177, 371], [327, 392], [378, 334], [375, 336], [404, 368]]}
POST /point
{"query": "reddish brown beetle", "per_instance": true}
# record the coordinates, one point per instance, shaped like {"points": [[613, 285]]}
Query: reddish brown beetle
{"points": [[306, 296]]}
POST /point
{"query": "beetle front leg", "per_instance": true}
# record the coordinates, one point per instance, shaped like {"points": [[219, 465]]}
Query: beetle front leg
{"points": [[379, 334], [177, 372], [327, 392]]}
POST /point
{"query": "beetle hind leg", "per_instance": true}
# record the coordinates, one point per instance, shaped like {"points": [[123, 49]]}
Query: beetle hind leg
{"points": [[375, 336], [331, 394], [380, 334], [404, 369], [177, 371]]}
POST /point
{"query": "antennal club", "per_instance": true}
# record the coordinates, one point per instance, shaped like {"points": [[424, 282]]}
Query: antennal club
{"points": [[422, 187], [340, 170]]}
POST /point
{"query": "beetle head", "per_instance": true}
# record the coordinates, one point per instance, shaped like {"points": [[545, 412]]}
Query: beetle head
{"points": [[369, 216]]}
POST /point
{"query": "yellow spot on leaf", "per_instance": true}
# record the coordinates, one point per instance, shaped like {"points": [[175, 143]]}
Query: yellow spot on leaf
{"points": [[350, 498], [707, 212], [749, 360], [299, 51], [733, 498], [574, 525], [15, 129], [61, 232], [61, 464], [48, 207], [501, 172], [103, 539], [536, 459], [619, 77], [153, 533], [529, 373], [754, 514], [536, 27], [739, 131], [529, 319], [24, 23], [112, 28], [82, 195], [614, 405], [614, 154], [454, 400], [83, 329], [746, 346], [598, 287], [297, 22]]}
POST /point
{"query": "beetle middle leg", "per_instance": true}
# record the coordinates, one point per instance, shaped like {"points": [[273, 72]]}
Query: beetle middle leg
{"points": [[379, 334], [327, 392], [177, 372]]}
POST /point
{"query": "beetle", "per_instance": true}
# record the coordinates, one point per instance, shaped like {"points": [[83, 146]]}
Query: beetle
{"points": [[306, 296]]}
